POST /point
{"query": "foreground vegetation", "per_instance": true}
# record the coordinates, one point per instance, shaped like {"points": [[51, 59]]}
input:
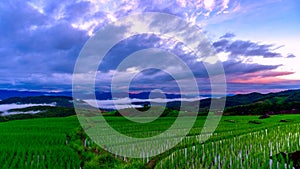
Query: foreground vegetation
{"points": [[238, 142], [37, 143]]}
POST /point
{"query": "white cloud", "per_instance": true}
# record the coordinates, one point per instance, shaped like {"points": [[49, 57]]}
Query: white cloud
{"points": [[38, 6], [4, 108], [126, 102], [14, 113], [225, 4], [209, 4]]}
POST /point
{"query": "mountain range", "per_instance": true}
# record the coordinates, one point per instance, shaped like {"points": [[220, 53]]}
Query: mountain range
{"points": [[253, 103], [241, 104], [4, 94]]}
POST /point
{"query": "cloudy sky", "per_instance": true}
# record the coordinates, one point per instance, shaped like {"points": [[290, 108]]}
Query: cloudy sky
{"points": [[256, 42]]}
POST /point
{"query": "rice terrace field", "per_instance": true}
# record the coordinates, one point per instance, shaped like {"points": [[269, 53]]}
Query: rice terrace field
{"points": [[238, 142], [149, 84]]}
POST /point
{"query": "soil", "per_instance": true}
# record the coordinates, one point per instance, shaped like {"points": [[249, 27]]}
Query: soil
{"points": [[287, 157]]}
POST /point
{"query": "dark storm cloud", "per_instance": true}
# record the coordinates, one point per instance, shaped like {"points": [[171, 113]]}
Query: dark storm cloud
{"points": [[221, 45], [77, 10], [234, 88], [60, 36], [39, 45], [290, 56], [35, 44], [17, 16], [228, 35], [152, 77], [245, 48], [232, 67]]}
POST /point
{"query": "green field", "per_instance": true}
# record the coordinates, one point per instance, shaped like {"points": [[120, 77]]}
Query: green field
{"points": [[238, 142], [37, 143]]}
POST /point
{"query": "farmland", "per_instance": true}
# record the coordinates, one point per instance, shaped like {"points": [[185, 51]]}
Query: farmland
{"points": [[37, 143], [238, 142]]}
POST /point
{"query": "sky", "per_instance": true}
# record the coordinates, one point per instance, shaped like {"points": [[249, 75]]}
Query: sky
{"points": [[256, 42]]}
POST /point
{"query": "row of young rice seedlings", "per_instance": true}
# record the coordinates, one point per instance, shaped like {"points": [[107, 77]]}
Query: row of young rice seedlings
{"points": [[119, 142], [121, 145], [37, 143], [231, 131], [48, 157], [251, 150], [36, 150]]}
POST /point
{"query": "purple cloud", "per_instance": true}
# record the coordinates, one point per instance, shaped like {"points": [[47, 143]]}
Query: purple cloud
{"points": [[40, 41], [290, 56], [227, 35], [245, 48]]}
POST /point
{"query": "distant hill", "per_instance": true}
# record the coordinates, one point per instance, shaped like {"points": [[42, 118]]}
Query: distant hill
{"points": [[41, 112], [62, 101], [39, 106], [252, 103], [284, 102], [4, 94]]}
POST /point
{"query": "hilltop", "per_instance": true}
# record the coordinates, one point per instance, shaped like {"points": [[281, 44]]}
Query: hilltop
{"points": [[285, 102]]}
